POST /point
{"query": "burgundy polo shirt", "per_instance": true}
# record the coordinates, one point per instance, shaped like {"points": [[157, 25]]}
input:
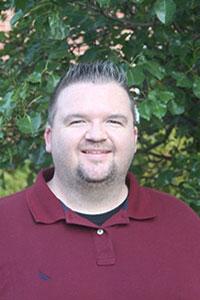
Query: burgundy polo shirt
{"points": [[150, 251]]}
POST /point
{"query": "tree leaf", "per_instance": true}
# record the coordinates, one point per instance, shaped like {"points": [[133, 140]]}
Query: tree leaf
{"points": [[104, 3], [145, 110], [159, 109], [1, 127], [176, 108], [165, 177], [165, 10], [181, 79], [135, 76], [35, 77], [58, 29], [16, 17], [29, 124], [24, 124], [158, 101], [165, 96], [196, 87], [21, 3], [51, 82], [155, 69], [36, 122], [2, 36], [7, 104]]}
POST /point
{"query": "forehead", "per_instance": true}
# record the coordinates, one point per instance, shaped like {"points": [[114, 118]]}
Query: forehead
{"points": [[88, 96]]}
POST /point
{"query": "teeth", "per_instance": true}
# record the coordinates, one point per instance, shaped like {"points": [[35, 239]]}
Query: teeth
{"points": [[95, 152]]}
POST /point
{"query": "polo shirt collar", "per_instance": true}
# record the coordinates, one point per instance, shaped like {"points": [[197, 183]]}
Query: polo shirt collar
{"points": [[141, 204], [46, 208]]}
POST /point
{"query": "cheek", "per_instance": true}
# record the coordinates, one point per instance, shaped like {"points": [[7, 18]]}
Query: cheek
{"points": [[125, 146], [66, 142]]}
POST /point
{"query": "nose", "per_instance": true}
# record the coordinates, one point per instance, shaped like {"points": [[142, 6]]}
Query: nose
{"points": [[96, 133]]}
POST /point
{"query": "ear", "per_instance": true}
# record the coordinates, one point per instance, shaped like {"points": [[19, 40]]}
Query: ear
{"points": [[47, 138], [135, 135]]}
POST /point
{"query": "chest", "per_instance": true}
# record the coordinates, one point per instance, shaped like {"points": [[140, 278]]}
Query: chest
{"points": [[131, 261]]}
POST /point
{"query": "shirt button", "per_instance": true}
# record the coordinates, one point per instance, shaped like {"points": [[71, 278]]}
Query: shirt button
{"points": [[100, 231]]}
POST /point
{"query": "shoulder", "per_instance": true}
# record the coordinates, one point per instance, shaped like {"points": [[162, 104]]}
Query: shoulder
{"points": [[165, 207], [13, 206], [171, 208], [11, 199], [163, 200]]}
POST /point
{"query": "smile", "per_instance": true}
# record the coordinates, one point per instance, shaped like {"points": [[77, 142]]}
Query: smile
{"points": [[96, 152]]}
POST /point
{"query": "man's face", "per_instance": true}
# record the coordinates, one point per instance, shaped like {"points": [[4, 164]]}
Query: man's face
{"points": [[92, 139]]}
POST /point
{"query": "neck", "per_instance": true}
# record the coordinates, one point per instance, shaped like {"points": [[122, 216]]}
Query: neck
{"points": [[89, 198]]}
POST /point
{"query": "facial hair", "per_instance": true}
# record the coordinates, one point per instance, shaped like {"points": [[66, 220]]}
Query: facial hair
{"points": [[85, 179]]}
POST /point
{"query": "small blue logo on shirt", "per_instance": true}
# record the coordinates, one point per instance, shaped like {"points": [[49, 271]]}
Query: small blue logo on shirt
{"points": [[43, 276]]}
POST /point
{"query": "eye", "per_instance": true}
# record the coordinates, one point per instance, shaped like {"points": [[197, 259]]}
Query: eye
{"points": [[77, 122], [115, 122]]}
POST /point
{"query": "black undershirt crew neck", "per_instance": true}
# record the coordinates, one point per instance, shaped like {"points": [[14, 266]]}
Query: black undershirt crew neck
{"points": [[99, 219]]}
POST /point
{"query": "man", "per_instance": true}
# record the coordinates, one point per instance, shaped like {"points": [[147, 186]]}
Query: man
{"points": [[86, 229]]}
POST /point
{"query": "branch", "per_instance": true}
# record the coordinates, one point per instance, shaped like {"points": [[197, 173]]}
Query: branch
{"points": [[161, 156], [162, 140], [127, 23], [130, 25]]}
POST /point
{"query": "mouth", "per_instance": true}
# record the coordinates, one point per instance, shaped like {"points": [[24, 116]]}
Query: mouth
{"points": [[96, 152]]}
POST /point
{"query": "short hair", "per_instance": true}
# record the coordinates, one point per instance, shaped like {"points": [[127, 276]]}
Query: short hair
{"points": [[96, 72]]}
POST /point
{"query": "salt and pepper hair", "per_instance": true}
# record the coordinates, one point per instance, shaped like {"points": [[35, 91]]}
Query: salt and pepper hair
{"points": [[97, 72]]}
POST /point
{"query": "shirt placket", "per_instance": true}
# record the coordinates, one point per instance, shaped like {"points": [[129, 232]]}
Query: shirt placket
{"points": [[105, 254]]}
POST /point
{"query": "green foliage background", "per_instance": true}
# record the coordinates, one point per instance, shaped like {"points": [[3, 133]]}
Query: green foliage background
{"points": [[158, 44]]}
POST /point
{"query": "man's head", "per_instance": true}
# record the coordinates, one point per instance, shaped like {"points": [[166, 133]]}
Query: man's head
{"points": [[97, 72], [91, 133]]}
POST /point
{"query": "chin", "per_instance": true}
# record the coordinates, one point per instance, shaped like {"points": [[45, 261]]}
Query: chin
{"points": [[94, 179]]}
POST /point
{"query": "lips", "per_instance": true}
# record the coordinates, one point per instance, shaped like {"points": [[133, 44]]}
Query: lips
{"points": [[96, 152]]}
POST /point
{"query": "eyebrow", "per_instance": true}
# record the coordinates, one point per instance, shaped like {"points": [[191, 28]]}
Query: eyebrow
{"points": [[72, 116], [112, 116]]}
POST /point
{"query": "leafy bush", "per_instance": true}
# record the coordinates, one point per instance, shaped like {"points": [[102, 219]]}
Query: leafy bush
{"points": [[158, 44]]}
